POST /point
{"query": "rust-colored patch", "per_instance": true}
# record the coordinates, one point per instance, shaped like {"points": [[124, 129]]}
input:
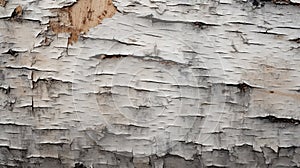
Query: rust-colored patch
{"points": [[3, 3], [81, 16], [280, 93], [17, 13], [269, 74]]}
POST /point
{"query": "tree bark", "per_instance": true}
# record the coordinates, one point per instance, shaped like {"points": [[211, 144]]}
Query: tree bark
{"points": [[149, 83]]}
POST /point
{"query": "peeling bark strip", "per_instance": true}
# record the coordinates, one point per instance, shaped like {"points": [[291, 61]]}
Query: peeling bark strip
{"points": [[81, 16], [240, 156]]}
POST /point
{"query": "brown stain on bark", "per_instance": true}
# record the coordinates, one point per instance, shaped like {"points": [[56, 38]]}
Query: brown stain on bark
{"points": [[270, 74], [281, 93], [3, 3], [81, 16]]}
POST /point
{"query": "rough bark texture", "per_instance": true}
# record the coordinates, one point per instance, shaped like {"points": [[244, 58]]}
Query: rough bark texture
{"points": [[158, 83]]}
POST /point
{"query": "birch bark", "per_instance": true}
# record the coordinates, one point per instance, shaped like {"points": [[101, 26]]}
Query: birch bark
{"points": [[149, 83]]}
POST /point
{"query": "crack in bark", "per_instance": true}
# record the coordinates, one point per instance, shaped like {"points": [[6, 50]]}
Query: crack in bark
{"points": [[275, 119], [242, 86]]}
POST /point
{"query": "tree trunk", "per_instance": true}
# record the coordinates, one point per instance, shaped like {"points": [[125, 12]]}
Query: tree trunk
{"points": [[149, 83]]}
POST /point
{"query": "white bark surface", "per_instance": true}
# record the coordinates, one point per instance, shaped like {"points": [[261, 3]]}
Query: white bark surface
{"points": [[159, 83]]}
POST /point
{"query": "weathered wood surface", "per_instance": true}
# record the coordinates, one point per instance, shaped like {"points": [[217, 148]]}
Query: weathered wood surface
{"points": [[159, 83]]}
